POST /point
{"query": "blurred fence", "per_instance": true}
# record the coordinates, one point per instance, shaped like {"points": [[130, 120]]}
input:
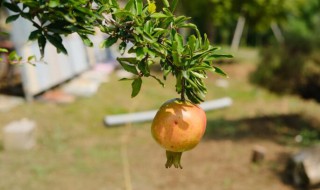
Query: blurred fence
{"points": [[54, 68]]}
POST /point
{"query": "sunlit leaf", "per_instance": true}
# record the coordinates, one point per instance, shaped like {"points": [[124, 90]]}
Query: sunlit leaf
{"points": [[158, 15], [3, 50], [219, 71], [138, 5]]}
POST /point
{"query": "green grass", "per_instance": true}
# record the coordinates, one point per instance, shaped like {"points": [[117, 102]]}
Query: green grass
{"points": [[76, 151]]}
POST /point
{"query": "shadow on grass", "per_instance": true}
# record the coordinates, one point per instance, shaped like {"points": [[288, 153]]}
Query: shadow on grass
{"points": [[282, 129]]}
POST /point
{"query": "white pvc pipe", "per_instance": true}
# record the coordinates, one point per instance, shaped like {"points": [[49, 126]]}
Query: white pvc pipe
{"points": [[149, 115]]}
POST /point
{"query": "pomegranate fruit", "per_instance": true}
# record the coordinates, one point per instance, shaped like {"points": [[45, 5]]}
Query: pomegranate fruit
{"points": [[178, 126]]}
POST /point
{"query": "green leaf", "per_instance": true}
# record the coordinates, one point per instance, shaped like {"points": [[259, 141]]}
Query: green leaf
{"points": [[13, 56], [122, 47], [3, 50], [12, 18], [176, 58], [166, 3], [167, 11], [158, 15], [174, 5], [136, 86], [166, 71], [178, 82], [202, 67], [192, 42], [57, 42], [151, 53], [70, 18], [144, 68], [201, 85], [34, 35], [42, 44], [114, 3], [4, 33], [221, 56], [128, 64], [108, 42], [140, 53], [188, 25], [54, 3], [193, 96], [185, 74], [206, 43], [13, 7], [30, 58], [180, 20], [148, 37], [86, 40], [129, 5], [138, 5], [178, 38], [159, 32], [193, 84], [123, 13], [198, 75], [203, 54], [147, 27], [220, 71]]}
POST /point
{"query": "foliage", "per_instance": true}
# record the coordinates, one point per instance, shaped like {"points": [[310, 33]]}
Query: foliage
{"points": [[14, 58], [153, 36], [294, 67], [211, 17], [218, 18]]}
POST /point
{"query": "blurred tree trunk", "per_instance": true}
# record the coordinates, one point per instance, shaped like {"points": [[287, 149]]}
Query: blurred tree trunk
{"points": [[238, 33]]}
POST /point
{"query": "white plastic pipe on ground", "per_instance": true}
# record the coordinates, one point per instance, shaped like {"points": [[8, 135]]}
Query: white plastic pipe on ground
{"points": [[149, 115]]}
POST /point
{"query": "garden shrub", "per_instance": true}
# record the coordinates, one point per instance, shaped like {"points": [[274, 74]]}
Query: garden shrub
{"points": [[292, 67]]}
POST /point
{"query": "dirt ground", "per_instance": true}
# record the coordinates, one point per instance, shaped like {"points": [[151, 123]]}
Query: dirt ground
{"points": [[214, 164]]}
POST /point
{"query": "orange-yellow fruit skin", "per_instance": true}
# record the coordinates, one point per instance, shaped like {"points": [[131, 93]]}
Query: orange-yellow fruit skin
{"points": [[179, 126]]}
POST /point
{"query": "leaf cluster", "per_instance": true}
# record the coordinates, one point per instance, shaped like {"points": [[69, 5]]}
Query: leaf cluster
{"points": [[148, 36], [13, 58], [54, 19]]}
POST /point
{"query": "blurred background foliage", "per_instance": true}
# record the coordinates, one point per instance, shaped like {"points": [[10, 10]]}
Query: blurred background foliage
{"points": [[219, 18], [291, 65], [294, 66]]}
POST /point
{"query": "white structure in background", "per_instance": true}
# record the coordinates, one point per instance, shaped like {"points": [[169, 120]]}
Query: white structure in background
{"points": [[19, 135], [149, 115], [55, 68]]}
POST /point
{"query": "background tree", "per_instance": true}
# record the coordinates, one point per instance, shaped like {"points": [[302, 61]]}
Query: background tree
{"points": [[218, 18], [294, 67]]}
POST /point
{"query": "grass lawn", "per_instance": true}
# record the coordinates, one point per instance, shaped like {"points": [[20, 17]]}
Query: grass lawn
{"points": [[75, 151]]}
